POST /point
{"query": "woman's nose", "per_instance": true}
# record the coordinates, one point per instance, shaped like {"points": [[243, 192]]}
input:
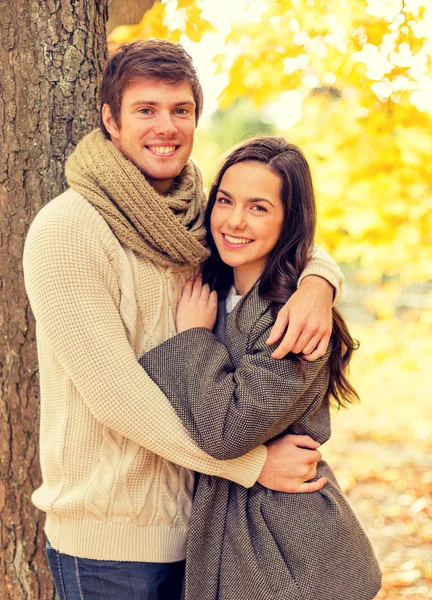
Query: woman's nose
{"points": [[237, 220]]}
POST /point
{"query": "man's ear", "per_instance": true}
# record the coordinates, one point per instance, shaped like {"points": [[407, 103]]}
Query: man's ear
{"points": [[110, 123]]}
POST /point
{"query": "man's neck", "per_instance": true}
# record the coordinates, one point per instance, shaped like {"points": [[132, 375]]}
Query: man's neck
{"points": [[162, 186]]}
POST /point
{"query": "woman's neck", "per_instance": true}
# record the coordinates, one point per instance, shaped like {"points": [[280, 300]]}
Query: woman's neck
{"points": [[245, 277]]}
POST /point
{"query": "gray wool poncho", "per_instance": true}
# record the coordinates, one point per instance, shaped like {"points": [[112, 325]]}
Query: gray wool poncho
{"points": [[256, 544]]}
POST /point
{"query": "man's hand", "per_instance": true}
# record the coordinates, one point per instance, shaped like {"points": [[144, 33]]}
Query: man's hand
{"points": [[289, 465], [197, 306], [308, 315]]}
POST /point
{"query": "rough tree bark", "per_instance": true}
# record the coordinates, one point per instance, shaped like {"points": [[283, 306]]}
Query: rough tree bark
{"points": [[52, 53], [126, 12]]}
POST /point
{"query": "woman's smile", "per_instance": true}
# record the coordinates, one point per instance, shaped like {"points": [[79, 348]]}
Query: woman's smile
{"points": [[233, 242]]}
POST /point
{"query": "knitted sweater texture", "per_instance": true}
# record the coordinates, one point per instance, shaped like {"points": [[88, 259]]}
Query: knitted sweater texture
{"points": [[108, 434], [117, 463]]}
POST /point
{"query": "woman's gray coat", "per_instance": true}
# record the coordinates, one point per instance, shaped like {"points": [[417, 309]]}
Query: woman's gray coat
{"points": [[256, 544]]}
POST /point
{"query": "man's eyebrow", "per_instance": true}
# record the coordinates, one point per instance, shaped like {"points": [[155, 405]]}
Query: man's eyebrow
{"points": [[147, 102], [225, 193], [154, 103]]}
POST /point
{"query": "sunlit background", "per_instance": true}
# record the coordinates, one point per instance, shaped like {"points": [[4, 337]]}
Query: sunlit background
{"points": [[350, 82]]}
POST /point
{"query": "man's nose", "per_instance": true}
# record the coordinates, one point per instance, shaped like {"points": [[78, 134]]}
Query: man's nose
{"points": [[165, 125]]}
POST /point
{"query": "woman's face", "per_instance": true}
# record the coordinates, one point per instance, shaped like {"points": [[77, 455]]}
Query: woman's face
{"points": [[246, 220]]}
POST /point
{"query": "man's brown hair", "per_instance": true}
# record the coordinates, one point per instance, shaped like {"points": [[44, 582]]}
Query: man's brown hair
{"points": [[147, 59]]}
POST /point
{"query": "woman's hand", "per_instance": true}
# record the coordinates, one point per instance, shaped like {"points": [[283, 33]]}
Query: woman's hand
{"points": [[197, 306]]}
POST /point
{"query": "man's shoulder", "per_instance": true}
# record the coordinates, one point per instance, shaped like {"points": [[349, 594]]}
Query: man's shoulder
{"points": [[69, 205], [69, 221], [71, 212]]}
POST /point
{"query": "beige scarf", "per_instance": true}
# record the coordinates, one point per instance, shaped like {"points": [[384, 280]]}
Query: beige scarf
{"points": [[168, 230]]}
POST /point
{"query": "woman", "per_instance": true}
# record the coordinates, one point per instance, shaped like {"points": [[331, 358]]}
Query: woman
{"points": [[256, 544]]}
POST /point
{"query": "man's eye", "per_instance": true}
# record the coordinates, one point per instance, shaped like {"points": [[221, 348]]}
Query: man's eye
{"points": [[145, 111], [182, 111]]}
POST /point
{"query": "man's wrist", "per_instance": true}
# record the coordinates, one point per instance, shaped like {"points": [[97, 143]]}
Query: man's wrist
{"points": [[317, 280], [246, 469]]}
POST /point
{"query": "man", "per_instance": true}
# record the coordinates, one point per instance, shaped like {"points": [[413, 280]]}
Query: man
{"points": [[104, 266]]}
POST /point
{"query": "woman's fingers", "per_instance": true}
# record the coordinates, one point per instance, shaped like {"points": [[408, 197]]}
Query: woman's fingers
{"points": [[197, 306], [197, 287], [213, 298], [205, 293], [201, 292], [187, 290]]}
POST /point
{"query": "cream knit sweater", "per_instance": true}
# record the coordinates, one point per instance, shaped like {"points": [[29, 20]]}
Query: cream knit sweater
{"points": [[116, 461]]}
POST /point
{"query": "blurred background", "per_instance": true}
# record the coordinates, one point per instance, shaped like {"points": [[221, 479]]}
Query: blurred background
{"points": [[350, 82]]}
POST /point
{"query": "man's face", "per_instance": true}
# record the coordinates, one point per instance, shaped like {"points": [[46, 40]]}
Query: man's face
{"points": [[157, 126]]}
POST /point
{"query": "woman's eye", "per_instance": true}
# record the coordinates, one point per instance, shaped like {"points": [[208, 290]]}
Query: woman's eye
{"points": [[223, 201], [258, 208]]}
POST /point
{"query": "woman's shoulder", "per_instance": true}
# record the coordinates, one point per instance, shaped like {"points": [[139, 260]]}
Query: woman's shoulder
{"points": [[253, 307], [253, 316]]}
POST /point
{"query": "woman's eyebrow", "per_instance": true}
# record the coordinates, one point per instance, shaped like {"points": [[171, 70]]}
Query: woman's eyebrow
{"points": [[225, 193], [260, 200]]}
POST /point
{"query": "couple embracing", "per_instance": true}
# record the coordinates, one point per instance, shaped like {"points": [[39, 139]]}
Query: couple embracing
{"points": [[178, 434]]}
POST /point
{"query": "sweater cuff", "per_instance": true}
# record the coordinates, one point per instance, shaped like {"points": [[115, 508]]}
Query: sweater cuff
{"points": [[246, 469], [322, 269], [324, 265]]}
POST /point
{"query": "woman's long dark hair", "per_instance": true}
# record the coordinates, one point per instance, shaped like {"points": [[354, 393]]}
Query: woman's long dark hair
{"points": [[290, 256]]}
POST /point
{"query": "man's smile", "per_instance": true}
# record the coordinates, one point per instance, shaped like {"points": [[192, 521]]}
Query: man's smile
{"points": [[162, 150]]}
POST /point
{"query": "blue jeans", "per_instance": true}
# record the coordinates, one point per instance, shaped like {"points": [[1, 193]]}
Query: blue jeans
{"points": [[87, 579]]}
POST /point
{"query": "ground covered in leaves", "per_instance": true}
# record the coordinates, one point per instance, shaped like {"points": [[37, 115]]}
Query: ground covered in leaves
{"points": [[381, 451]]}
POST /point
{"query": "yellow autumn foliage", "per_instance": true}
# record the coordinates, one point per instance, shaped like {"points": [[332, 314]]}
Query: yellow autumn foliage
{"points": [[167, 20], [361, 67]]}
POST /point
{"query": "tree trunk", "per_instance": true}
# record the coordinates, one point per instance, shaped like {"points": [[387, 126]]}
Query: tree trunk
{"points": [[52, 53], [127, 12]]}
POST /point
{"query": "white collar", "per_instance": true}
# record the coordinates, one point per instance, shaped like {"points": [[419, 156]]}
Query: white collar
{"points": [[232, 300]]}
